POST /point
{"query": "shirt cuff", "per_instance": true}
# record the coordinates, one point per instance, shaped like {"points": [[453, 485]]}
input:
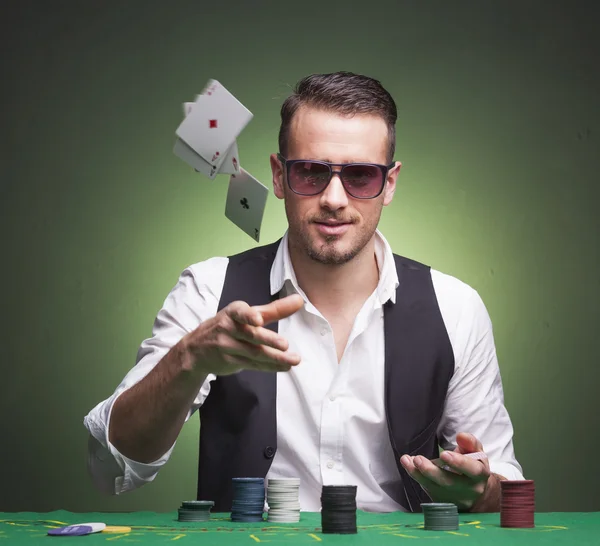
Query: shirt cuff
{"points": [[506, 470], [111, 471]]}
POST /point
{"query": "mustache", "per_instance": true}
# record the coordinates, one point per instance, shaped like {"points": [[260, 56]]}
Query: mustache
{"points": [[333, 218]]}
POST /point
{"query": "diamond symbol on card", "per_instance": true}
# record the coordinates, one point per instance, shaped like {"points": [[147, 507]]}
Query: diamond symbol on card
{"points": [[244, 203], [212, 123]]}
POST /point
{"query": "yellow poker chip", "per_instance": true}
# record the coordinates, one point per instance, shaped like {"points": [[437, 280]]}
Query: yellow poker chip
{"points": [[116, 529]]}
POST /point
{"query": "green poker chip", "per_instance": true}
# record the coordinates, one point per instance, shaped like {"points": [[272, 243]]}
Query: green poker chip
{"points": [[197, 510], [440, 516]]}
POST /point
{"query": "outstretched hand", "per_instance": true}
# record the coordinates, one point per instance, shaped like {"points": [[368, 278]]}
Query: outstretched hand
{"points": [[464, 487], [236, 339]]}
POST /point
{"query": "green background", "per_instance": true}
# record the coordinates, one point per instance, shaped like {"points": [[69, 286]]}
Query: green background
{"points": [[498, 133]]}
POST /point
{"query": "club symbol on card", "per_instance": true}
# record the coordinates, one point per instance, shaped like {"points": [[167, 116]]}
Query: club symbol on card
{"points": [[212, 123], [244, 203], [256, 232]]}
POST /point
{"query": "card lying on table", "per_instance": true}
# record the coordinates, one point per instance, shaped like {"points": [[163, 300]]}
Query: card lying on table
{"points": [[79, 529], [246, 201]]}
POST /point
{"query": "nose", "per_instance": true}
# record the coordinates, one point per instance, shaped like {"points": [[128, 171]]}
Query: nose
{"points": [[334, 197]]}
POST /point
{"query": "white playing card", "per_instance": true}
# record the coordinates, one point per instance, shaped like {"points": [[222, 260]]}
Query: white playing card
{"points": [[214, 123], [231, 165], [183, 151], [246, 201]]}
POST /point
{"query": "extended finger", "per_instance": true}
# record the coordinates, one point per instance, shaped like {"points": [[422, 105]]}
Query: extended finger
{"points": [[260, 336], [261, 354], [279, 309], [245, 363]]}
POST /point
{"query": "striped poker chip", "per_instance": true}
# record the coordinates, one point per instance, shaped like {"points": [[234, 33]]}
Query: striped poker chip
{"points": [[283, 500], [338, 509], [517, 504], [248, 499], [198, 510], [440, 516]]}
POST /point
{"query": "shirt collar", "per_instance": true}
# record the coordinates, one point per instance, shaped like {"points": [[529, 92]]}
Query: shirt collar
{"points": [[282, 270]]}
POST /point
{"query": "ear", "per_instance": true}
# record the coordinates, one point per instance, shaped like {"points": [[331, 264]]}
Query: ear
{"points": [[278, 182], [390, 186]]}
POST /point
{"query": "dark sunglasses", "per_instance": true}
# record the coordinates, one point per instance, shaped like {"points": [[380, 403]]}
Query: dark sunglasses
{"points": [[360, 180]]}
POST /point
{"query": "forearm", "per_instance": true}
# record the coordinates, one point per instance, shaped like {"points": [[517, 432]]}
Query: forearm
{"points": [[147, 418]]}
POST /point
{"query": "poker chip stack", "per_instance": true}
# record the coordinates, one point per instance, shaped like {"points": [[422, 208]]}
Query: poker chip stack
{"points": [[248, 499], [517, 505], [283, 501], [195, 510], [338, 509], [440, 516]]}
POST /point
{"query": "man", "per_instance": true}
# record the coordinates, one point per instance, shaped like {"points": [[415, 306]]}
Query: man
{"points": [[381, 359]]}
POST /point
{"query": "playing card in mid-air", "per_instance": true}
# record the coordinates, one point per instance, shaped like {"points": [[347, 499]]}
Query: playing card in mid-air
{"points": [[231, 164], [183, 151], [246, 201], [213, 124]]}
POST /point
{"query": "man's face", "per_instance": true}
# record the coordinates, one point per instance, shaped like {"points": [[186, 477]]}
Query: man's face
{"points": [[333, 227]]}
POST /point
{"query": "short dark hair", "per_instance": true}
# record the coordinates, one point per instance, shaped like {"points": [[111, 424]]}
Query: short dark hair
{"points": [[344, 93]]}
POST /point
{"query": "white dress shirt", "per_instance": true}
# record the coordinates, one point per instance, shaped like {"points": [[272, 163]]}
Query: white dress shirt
{"points": [[331, 425]]}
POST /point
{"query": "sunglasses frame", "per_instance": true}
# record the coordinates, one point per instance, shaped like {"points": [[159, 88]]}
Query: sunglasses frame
{"points": [[288, 163]]}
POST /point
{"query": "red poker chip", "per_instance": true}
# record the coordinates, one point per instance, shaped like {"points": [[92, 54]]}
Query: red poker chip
{"points": [[517, 505]]}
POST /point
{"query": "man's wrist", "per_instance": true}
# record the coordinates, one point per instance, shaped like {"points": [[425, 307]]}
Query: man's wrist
{"points": [[187, 358], [490, 499]]}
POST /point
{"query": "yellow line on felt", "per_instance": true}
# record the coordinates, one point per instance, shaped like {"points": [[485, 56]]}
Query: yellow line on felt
{"points": [[177, 537], [318, 539], [458, 534], [255, 538], [403, 536]]}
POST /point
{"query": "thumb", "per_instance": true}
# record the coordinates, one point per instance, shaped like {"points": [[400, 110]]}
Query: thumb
{"points": [[467, 443]]}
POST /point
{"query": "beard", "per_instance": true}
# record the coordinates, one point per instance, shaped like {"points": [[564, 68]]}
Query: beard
{"points": [[333, 249]]}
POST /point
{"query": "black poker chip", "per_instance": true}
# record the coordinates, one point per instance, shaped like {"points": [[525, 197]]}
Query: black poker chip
{"points": [[338, 509]]}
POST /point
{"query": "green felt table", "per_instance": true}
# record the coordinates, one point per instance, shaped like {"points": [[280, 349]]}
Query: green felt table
{"points": [[373, 529]]}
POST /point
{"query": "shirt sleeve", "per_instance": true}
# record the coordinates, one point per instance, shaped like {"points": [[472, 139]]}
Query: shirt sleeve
{"points": [[475, 398], [194, 299]]}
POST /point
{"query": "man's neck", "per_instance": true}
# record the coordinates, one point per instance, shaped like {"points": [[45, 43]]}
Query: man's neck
{"points": [[331, 287]]}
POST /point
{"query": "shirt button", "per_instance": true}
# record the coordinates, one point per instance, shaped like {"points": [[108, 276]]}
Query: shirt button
{"points": [[332, 397], [323, 331], [330, 464]]}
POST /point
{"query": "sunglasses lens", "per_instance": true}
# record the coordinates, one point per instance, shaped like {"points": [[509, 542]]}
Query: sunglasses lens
{"points": [[363, 181], [308, 177]]}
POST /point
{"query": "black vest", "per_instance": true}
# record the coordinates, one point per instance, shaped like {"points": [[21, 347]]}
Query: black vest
{"points": [[238, 434]]}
